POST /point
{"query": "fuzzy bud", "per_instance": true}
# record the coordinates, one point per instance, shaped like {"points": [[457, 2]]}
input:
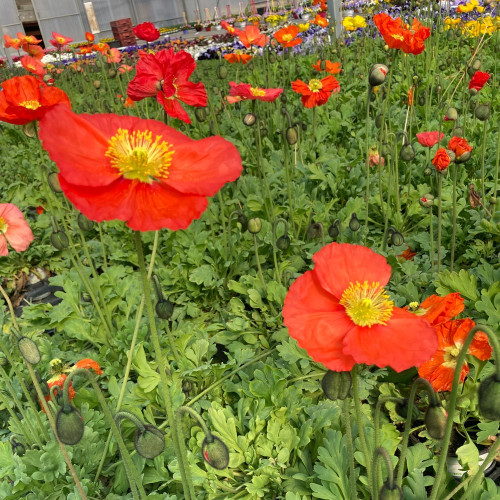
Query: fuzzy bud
{"points": [[84, 223], [97, 84], [53, 181], [221, 72], [397, 239], [483, 111], [215, 452], [291, 135], [283, 242], [426, 201], [314, 230], [435, 421], [451, 114], [489, 397], [200, 114], [59, 240], [354, 223], [254, 225], [29, 350], [407, 152], [164, 309], [334, 230], [249, 119], [69, 425], [377, 74], [390, 492], [476, 64], [336, 385], [457, 132], [150, 442]]}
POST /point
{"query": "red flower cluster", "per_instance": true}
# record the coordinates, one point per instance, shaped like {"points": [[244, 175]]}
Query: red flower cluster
{"points": [[401, 36], [316, 92], [146, 32], [459, 146]]}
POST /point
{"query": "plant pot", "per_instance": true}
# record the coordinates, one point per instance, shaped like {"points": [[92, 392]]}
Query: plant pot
{"points": [[455, 469]]}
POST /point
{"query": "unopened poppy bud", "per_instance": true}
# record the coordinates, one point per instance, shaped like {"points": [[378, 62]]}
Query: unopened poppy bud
{"points": [[249, 119], [250, 66], [29, 129], [59, 240], [493, 200], [451, 113], [427, 171], [390, 492], [272, 58], [284, 98], [435, 421], [377, 74], [397, 239], [379, 121], [283, 242], [476, 64], [354, 223], [215, 452], [29, 350], [334, 230], [53, 181], [464, 157], [149, 442], [69, 425], [450, 35], [47, 77], [221, 72], [323, 65], [427, 200], [97, 84], [84, 223], [402, 408], [111, 73], [489, 397], [457, 132], [291, 135], [201, 114], [451, 154], [314, 230], [336, 385], [472, 92], [263, 131], [483, 111], [164, 309], [407, 152], [254, 225]]}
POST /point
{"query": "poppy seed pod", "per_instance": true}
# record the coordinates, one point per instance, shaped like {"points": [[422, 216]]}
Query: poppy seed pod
{"points": [[29, 350], [377, 74], [272, 58], [59, 240], [451, 113], [450, 35], [69, 425], [283, 242], [291, 135], [149, 442], [249, 119], [397, 239], [200, 114], [84, 223], [354, 223], [435, 421], [483, 111], [164, 309], [215, 452], [489, 397], [390, 492], [221, 72], [336, 385], [254, 225], [427, 171], [407, 152], [53, 181]]}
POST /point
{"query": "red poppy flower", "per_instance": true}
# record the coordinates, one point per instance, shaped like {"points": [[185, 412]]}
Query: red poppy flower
{"points": [[139, 171], [113, 56], [340, 313], [89, 36], [101, 47], [246, 91], [407, 254], [14, 43], [33, 65], [478, 80], [320, 21], [332, 68], [440, 369], [316, 92], [40, 209], [59, 41], [34, 51], [237, 57], [88, 363], [441, 159], [459, 146], [438, 310], [23, 100], [287, 36], [86, 50], [230, 29], [166, 76], [429, 139], [146, 32], [13, 229], [252, 35], [27, 41], [58, 382]]}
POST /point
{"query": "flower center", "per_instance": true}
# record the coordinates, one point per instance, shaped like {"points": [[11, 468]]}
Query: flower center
{"points": [[137, 156], [257, 92], [30, 104], [287, 37], [451, 354], [397, 37], [3, 225], [315, 85], [367, 304]]}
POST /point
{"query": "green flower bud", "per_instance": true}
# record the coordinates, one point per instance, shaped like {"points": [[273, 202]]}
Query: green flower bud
{"points": [[334, 230], [458, 132], [470, 71], [489, 397], [379, 121], [221, 72], [111, 73], [450, 36], [407, 152], [29, 350], [451, 113], [476, 64], [69, 425], [254, 225], [272, 58], [390, 492], [84, 223], [493, 200], [314, 230], [483, 111], [283, 242], [150, 442], [435, 421], [336, 385], [291, 135], [284, 98], [427, 171], [397, 239], [29, 129], [164, 309], [200, 114], [243, 220], [377, 74], [97, 84], [354, 223], [53, 181], [59, 240], [427, 200], [249, 119], [215, 452], [464, 157]]}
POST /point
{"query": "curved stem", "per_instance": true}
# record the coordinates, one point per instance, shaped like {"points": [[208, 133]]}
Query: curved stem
{"points": [[11, 309], [195, 415], [381, 453], [126, 415]]}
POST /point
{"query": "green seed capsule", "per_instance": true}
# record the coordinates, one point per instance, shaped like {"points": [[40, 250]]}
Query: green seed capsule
{"points": [[164, 309], [69, 425], [389, 492], [489, 397], [254, 225], [354, 223], [283, 242], [407, 152], [336, 385], [53, 181], [29, 350], [84, 223], [200, 114], [291, 135], [221, 72], [397, 239], [483, 111], [59, 240], [435, 421], [150, 442]]}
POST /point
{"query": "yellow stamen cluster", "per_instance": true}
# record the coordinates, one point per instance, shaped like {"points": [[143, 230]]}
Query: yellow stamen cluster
{"points": [[137, 156], [367, 304], [257, 92], [30, 104], [287, 37], [450, 355], [315, 85], [3, 225]]}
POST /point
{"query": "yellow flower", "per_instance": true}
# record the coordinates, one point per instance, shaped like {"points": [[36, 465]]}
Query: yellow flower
{"points": [[348, 23], [480, 9], [303, 27], [359, 22]]}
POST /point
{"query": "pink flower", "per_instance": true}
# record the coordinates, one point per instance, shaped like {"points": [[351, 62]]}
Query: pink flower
{"points": [[13, 229], [429, 139]]}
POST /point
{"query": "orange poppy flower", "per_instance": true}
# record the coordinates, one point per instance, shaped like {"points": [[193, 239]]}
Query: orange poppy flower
{"points": [[230, 29], [34, 51], [13, 43], [459, 146], [33, 65], [438, 309], [139, 171], [88, 363], [125, 68], [101, 47], [332, 68], [440, 369], [441, 159], [407, 254], [27, 41], [287, 36], [113, 56], [59, 41], [246, 92], [341, 314], [89, 36], [13, 229], [23, 100], [86, 50], [129, 103], [320, 21], [316, 92], [252, 35], [236, 57]]}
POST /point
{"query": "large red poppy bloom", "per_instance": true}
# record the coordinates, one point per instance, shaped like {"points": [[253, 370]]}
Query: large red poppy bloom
{"points": [[478, 80], [440, 369], [429, 139], [441, 159], [246, 91], [287, 36], [166, 76], [147, 32], [316, 92], [252, 35], [139, 171], [23, 99], [340, 313]]}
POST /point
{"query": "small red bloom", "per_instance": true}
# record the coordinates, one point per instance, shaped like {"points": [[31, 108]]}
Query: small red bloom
{"points": [[86, 50], [40, 210], [340, 313], [478, 80], [13, 229], [459, 146], [287, 36], [166, 76], [139, 171], [332, 68], [237, 57], [429, 139], [230, 29], [89, 37], [316, 92], [147, 32], [246, 91], [14, 43], [441, 159], [59, 41], [252, 35], [88, 363]]}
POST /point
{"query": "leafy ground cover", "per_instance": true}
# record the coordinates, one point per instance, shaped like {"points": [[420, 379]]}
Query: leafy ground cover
{"points": [[235, 408]]}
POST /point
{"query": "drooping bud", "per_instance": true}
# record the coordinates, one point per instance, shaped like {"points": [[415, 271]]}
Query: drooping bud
{"points": [[59, 240], [314, 230], [435, 421], [200, 114], [243, 220], [407, 152], [483, 111], [283, 242], [215, 452], [263, 130], [451, 113], [69, 425], [84, 223], [291, 135], [336, 385], [397, 239], [377, 74], [489, 397], [390, 492], [334, 230], [354, 223], [149, 442], [249, 119], [254, 225], [427, 171], [53, 181], [164, 309], [29, 350]]}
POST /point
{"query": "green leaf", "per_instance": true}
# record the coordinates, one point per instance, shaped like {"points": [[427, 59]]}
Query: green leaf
{"points": [[203, 275], [468, 456], [463, 282]]}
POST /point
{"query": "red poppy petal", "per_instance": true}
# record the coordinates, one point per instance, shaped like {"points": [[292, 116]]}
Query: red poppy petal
{"points": [[352, 263], [439, 375], [173, 108], [193, 94], [407, 340], [480, 347]]}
